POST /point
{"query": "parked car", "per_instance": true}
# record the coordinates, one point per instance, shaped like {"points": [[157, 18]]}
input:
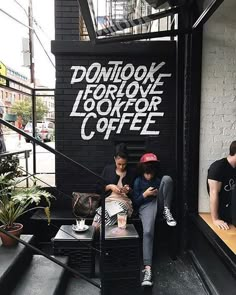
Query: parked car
{"points": [[44, 130]]}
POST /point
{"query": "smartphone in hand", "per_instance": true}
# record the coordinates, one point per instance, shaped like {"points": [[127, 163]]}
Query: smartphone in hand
{"points": [[153, 188]]}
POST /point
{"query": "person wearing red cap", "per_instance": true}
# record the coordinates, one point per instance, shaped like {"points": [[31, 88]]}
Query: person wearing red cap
{"points": [[151, 196]]}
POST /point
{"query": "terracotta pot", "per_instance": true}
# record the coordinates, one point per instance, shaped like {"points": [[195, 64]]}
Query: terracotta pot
{"points": [[16, 231]]}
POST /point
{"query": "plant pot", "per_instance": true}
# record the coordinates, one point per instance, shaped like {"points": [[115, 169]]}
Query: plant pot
{"points": [[16, 231]]}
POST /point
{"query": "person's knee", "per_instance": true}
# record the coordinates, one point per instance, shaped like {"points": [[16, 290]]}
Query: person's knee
{"points": [[148, 233], [167, 179]]}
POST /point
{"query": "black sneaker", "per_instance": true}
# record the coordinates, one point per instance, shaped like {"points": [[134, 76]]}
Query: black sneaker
{"points": [[168, 217], [147, 278]]}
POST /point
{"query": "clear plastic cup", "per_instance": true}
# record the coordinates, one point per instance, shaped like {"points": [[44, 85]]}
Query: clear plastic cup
{"points": [[122, 220]]}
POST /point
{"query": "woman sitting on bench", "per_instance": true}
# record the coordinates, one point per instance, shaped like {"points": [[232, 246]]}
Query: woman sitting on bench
{"points": [[118, 182]]}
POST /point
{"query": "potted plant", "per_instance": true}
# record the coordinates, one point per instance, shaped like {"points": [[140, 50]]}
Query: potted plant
{"points": [[15, 202], [10, 164]]}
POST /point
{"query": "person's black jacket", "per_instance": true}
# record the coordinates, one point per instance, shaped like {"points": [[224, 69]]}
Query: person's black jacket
{"points": [[110, 177]]}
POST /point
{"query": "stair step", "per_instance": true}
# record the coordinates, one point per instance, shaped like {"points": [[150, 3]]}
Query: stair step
{"points": [[42, 277], [11, 260], [79, 286]]}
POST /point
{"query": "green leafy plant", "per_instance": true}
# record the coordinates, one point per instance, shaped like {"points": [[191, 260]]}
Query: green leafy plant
{"points": [[10, 165], [15, 202]]}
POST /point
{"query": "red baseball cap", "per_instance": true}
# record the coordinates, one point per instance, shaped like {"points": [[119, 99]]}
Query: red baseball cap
{"points": [[150, 157]]}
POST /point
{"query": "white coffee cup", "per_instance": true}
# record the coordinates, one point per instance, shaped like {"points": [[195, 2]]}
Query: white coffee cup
{"points": [[80, 224]]}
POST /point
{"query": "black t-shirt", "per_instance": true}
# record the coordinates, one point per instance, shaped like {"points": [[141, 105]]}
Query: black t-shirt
{"points": [[223, 172]]}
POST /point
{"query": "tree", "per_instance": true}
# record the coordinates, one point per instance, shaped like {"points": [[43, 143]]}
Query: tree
{"points": [[24, 108]]}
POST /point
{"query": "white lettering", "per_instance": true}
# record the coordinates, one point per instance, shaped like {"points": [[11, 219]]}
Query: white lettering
{"points": [[101, 103], [152, 71], [88, 90], [156, 100], [139, 109], [102, 125], [96, 68], [136, 120], [137, 73], [135, 90], [76, 105], [149, 121], [129, 103], [83, 135], [102, 89], [118, 95], [110, 127], [116, 64], [116, 108], [74, 78], [111, 90], [123, 121], [88, 108], [158, 79], [129, 67]]}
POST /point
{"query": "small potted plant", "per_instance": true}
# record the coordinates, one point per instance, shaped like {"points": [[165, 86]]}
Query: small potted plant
{"points": [[15, 202]]}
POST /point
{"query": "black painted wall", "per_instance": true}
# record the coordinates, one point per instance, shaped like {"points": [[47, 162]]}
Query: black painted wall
{"points": [[66, 20], [98, 151], [94, 149]]}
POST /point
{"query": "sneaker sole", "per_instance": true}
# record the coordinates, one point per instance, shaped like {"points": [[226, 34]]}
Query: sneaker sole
{"points": [[146, 283], [171, 224]]}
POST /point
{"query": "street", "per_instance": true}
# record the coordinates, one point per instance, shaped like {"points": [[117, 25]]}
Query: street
{"points": [[45, 160]]}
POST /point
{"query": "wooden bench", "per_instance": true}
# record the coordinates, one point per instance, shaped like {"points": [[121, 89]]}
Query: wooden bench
{"points": [[227, 236]]}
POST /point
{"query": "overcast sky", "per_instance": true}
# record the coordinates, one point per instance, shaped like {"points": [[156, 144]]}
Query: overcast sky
{"points": [[13, 32]]}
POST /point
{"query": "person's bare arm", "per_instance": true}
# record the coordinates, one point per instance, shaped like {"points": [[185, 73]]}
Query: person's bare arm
{"points": [[113, 187], [214, 187]]}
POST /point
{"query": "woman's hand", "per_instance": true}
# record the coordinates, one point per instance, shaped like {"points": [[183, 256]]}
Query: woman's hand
{"points": [[114, 188], [150, 192], [125, 189]]}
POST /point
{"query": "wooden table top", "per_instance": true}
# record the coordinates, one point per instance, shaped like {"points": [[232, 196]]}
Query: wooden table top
{"points": [[227, 236]]}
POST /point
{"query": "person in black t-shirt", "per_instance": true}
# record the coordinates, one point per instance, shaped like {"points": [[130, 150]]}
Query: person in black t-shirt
{"points": [[221, 181]]}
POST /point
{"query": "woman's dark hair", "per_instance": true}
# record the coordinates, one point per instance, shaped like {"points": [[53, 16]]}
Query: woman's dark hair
{"points": [[232, 148], [148, 167], [121, 151]]}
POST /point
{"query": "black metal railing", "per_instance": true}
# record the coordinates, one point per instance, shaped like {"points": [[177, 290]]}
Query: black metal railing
{"points": [[102, 235]]}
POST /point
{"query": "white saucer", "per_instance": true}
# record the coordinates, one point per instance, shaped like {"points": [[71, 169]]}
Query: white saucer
{"points": [[76, 229]]}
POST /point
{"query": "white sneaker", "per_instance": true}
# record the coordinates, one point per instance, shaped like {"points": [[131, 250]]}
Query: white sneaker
{"points": [[168, 217], [147, 278]]}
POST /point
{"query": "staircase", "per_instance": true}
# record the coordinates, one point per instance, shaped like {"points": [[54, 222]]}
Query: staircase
{"points": [[24, 273]]}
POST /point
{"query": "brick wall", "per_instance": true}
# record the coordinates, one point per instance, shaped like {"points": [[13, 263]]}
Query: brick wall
{"points": [[218, 107], [97, 151], [66, 20]]}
